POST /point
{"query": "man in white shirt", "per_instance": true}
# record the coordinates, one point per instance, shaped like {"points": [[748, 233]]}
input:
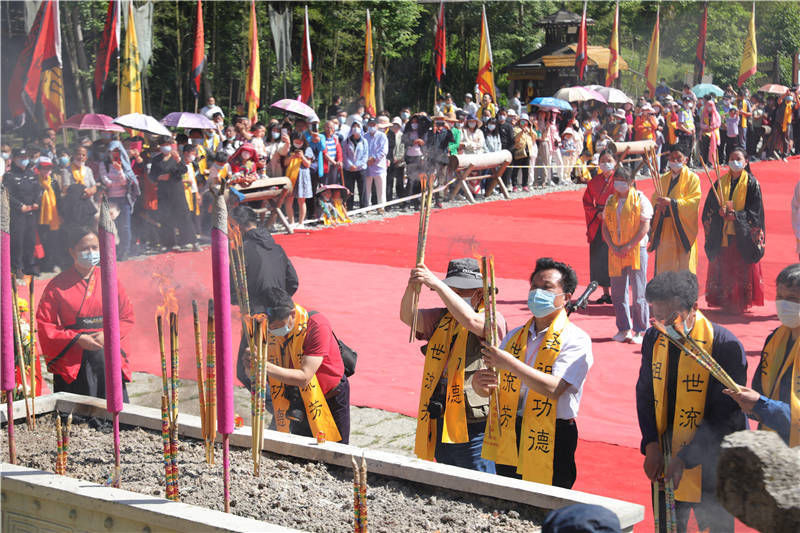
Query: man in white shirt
{"points": [[558, 385], [470, 107], [626, 223], [211, 108]]}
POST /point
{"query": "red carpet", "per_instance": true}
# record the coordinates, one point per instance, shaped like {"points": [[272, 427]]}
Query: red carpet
{"points": [[357, 274]]}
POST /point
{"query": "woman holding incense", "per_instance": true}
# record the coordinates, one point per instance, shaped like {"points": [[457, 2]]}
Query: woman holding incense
{"points": [[676, 220], [598, 189], [735, 236], [310, 391], [542, 368], [681, 408], [70, 321], [452, 418], [774, 399]]}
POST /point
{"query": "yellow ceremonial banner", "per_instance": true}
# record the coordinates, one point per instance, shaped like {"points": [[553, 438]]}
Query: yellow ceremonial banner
{"points": [[52, 95], [485, 81], [368, 79], [253, 91], [651, 69], [612, 72], [750, 52], [130, 89]]}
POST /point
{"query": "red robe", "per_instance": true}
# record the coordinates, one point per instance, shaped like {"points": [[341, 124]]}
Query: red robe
{"points": [[67, 298], [594, 201]]}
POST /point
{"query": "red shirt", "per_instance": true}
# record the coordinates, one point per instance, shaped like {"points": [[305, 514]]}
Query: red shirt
{"points": [[594, 200], [320, 342], [66, 299]]}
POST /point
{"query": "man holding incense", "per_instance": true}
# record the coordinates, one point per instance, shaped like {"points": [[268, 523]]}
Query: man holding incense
{"points": [[542, 368], [70, 321], [266, 266], [310, 391], [683, 413], [451, 417], [774, 399], [676, 220]]}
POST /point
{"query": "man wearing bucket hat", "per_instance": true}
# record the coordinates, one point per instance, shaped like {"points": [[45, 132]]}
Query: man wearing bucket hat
{"points": [[452, 417]]}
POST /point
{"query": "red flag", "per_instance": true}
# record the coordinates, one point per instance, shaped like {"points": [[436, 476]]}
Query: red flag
{"points": [[108, 44], [199, 58], [581, 59], [700, 54], [440, 47], [42, 52], [307, 87]]}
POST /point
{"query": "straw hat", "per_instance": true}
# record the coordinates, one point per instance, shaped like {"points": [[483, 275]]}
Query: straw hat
{"points": [[449, 117], [383, 122], [619, 113]]}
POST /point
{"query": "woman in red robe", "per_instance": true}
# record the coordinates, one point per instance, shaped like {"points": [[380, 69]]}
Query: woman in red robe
{"points": [[70, 321]]}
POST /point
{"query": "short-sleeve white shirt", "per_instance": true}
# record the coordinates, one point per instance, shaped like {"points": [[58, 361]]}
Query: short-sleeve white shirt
{"points": [[572, 365], [646, 212]]}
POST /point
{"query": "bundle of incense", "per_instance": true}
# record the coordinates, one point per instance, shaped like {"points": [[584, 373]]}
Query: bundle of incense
{"points": [[426, 204], [670, 518], [167, 450], [173, 403], [362, 513], [211, 386], [649, 157], [656, 488], [65, 443], [356, 497], [20, 353], [59, 446], [201, 385], [490, 320], [32, 350], [220, 271], [711, 181], [258, 396], [111, 332], [678, 337]]}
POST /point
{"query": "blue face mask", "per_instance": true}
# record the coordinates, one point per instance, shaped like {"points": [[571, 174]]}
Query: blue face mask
{"points": [[281, 332], [64, 161], [736, 165], [24, 162], [540, 302], [89, 258]]}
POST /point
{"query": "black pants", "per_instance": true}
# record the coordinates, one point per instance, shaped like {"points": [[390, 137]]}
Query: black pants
{"points": [[353, 181], [338, 400], [175, 216], [729, 144], [394, 179], [91, 379], [524, 163], [51, 242], [710, 515], [684, 143], [23, 240], [598, 260], [566, 442]]}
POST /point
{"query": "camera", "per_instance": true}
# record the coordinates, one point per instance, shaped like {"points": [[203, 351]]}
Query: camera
{"points": [[297, 410], [436, 403]]}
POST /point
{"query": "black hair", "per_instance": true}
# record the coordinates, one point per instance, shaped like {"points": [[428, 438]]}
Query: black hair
{"points": [[680, 287], [215, 115], [789, 276], [278, 303], [74, 234], [302, 137], [195, 131], [219, 157], [623, 173], [189, 148], [608, 152], [181, 138], [244, 215], [165, 139], [569, 279]]}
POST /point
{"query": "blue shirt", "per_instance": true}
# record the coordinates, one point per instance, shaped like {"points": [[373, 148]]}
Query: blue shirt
{"points": [[355, 153], [317, 147], [774, 414], [378, 148]]}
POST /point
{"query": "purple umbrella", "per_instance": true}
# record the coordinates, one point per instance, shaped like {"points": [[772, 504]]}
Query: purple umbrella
{"points": [[92, 121], [182, 119], [297, 107]]}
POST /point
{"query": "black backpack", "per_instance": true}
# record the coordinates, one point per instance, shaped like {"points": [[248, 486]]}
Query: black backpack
{"points": [[349, 356]]}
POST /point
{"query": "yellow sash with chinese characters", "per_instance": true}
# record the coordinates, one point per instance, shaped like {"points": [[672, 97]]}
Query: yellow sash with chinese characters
{"points": [[287, 352], [773, 369], [622, 229], [739, 198], [448, 346], [534, 458], [690, 401]]}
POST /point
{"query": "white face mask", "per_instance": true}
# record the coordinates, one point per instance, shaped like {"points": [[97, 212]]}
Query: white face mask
{"points": [[276, 135], [675, 166], [788, 313], [414, 125], [491, 127], [621, 186], [372, 130], [607, 166]]}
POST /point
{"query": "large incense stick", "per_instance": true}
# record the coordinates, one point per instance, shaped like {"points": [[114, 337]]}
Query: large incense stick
{"points": [[111, 334], [20, 354], [356, 497], [7, 306], [198, 352], [426, 201], [220, 270], [59, 446], [33, 355], [711, 181], [65, 443], [362, 512], [490, 322], [211, 386]]}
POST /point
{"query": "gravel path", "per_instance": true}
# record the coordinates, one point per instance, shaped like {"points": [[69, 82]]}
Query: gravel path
{"points": [[293, 493]]}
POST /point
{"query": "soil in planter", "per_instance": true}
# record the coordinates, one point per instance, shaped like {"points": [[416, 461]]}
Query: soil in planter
{"points": [[290, 492]]}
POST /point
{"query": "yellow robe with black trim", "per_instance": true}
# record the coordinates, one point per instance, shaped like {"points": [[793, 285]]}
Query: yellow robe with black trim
{"points": [[627, 223], [668, 239], [534, 455], [690, 402], [287, 352], [775, 364]]}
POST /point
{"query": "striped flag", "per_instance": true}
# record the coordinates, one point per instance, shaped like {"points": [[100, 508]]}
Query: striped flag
{"points": [[485, 81], [368, 80], [651, 69], [440, 47], [199, 57], [109, 43], [581, 58], [750, 52], [307, 88], [253, 90], [612, 73]]}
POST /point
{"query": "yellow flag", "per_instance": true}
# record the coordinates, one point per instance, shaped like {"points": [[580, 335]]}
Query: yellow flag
{"points": [[485, 79], [368, 79], [651, 70], [130, 90], [253, 94], [750, 53], [612, 73]]}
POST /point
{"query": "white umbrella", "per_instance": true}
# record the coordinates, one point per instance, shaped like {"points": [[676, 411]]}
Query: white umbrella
{"points": [[146, 123], [613, 96], [578, 94]]}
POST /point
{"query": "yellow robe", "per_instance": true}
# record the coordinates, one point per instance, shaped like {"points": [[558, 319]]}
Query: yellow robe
{"points": [[670, 242]]}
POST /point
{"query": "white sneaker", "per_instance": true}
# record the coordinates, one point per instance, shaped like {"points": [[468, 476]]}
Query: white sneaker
{"points": [[637, 338], [623, 336]]}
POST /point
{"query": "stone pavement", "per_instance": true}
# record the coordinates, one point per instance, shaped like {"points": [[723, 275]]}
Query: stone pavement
{"points": [[370, 428]]}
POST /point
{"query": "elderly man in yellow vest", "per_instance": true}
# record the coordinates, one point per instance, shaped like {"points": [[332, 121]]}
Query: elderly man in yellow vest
{"points": [[626, 222], [542, 368], [452, 417], [675, 223]]}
